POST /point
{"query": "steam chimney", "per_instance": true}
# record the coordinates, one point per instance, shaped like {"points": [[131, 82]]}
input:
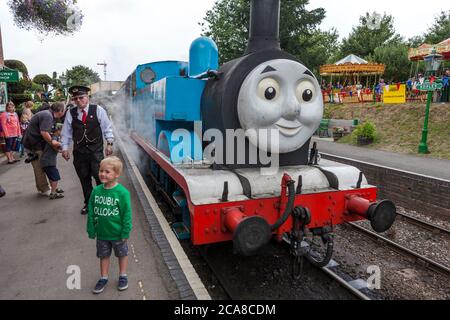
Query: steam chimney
{"points": [[264, 25]]}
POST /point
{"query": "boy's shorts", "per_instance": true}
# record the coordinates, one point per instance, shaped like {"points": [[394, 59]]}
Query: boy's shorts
{"points": [[104, 248], [52, 173]]}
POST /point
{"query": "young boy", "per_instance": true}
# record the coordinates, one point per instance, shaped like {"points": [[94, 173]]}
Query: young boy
{"points": [[109, 220], [48, 162]]}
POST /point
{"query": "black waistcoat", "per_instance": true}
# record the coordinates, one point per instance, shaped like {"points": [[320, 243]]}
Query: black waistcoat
{"points": [[87, 137]]}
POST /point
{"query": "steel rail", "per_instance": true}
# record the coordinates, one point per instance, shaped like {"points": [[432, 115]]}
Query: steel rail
{"points": [[431, 264], [424, 224], [357, 293]]}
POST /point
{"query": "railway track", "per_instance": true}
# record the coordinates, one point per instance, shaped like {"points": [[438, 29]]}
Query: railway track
{"points": [[427, 262], [233, 293], [423, 224]]}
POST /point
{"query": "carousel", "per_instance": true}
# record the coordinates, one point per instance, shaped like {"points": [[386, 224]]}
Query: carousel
{"points": [[351, 79], [442, 48], [424, 53]]}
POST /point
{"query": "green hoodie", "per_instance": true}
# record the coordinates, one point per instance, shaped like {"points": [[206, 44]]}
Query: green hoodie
{"points": [[109, 213]]}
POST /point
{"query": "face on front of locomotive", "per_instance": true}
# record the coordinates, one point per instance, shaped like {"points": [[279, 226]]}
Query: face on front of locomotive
{"points": [[280, 95]]}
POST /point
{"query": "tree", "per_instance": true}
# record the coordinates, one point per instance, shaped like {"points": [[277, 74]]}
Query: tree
{"points": [[395, 57], [47, 16], [227, 24], [415, 41], [43, 80], [318, 48], [440, 30], [16, 91], [17, 65], [81, 75], [369, 35]]}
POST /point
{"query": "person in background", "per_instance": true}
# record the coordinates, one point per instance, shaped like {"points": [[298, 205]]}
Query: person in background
{"points": [[445, 96], [27, 113], [25, 119], [35, 138], [48, 162], [359, 88], [87, 125], [11, 130], [45, 105]]}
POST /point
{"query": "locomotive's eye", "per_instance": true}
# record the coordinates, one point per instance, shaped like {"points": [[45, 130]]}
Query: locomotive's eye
{"points": [[307, 95], [268, 89], [305, 91], [270, 93]]}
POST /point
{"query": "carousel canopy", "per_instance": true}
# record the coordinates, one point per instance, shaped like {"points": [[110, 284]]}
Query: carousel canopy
{"points": [[351, 58], [352, 64], [425, 49]]}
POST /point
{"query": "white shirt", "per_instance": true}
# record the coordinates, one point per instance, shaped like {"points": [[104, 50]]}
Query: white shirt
{"points": [[102, 116]]}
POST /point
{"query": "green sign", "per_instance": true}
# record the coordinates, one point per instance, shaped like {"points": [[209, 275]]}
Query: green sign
{"points": [[427, 86], [9, 76]]}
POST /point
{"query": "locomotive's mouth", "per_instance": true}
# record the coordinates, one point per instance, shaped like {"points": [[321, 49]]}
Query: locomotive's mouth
{"points": [[289, 128]]}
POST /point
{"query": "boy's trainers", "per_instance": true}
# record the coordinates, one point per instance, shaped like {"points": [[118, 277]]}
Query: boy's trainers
{"points": [[59, 190], [55, 195], [123, 283], [100, 286]]}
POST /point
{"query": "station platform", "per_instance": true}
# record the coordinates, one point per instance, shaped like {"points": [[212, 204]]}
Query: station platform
{"points": [[41, 240], [432, 167]]}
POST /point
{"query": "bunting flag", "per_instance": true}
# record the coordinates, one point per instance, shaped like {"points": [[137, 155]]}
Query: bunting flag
{"points": [[445, 81]]}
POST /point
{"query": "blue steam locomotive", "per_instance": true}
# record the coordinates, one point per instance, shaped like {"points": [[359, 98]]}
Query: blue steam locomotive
{"points": [[209, 133]]}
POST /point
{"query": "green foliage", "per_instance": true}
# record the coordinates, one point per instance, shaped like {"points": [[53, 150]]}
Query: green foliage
{"points": [[19, 87], [42, 79], [17, 65], [317, 48], [46, 16], [227, 23], [19, 98], [366, 130], [363, 40], [415, 41], [81, 75], [395, 57], [440, 30], [35, 87]]}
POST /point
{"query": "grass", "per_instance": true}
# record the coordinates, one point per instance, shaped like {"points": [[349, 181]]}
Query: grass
{"points": [[399, 126]]}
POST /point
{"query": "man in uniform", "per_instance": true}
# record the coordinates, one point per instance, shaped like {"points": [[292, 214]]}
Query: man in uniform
{"points": [[86, 125]]}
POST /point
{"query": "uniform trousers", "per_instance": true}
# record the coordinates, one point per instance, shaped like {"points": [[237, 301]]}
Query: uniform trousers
{"points": [[87, 166]]}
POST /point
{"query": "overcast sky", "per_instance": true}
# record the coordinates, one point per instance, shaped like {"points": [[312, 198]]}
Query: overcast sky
{"points": [[128, 33]]}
